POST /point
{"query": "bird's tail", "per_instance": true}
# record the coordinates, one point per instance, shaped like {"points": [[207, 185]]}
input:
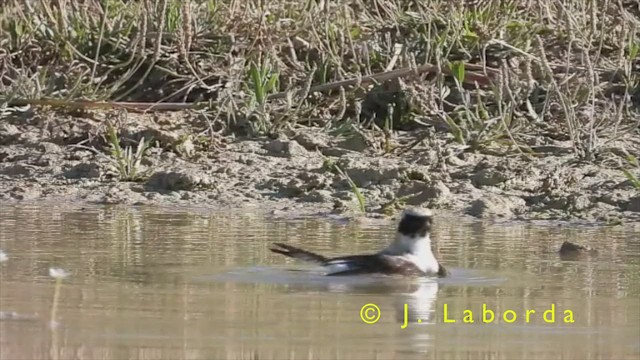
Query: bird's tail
{"points": [[297, 253]]}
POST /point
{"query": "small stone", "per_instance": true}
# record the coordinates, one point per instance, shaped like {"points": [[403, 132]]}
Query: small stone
{"points": [[17, 170], [49, 148], [616, 198], [427, 157], [152, 195], [345, 195], [45, 160], [312, 142], [175, 180], [568, 246], [4, 155], [83, 170], [335, 152], [571, 251], [314, 180], [432, 192], [437, 190], [421, 174], [187, 195], [488, 177], [634, 204], [285, 148], [25, 193], [355, 142], [295, 187], [318, 196], [455, 161], [579, 202], [492, 205], [340, 206]]}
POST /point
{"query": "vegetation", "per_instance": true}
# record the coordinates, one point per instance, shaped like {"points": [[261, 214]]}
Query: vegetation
{"points": [[633, 161], [126, 161], [489, 72], [354, 188]]}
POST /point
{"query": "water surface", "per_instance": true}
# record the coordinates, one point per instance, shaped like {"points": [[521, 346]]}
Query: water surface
{"points": [[155, 283]]}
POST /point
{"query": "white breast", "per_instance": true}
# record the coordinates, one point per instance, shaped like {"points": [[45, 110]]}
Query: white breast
{"points": [[424, 261], [417, 251]]}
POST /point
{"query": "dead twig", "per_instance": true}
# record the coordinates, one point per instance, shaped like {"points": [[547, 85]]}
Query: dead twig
{"points": [[470, 77]]}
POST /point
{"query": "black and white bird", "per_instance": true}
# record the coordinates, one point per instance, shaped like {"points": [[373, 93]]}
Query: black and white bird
{"points": [[409, 254]]}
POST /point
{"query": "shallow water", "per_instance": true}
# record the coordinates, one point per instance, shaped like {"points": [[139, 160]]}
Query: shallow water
{"points": [[154, 283]]}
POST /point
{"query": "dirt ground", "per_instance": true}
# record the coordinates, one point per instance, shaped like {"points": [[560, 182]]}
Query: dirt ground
{"points": [[46, 156]]}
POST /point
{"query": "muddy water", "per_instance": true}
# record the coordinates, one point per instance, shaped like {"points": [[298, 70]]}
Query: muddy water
{"points": [[154, 283]]}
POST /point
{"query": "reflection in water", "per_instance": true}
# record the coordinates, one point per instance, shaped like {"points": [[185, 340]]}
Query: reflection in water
{"points": [[413, 299], [154, 283], [418, 306]]}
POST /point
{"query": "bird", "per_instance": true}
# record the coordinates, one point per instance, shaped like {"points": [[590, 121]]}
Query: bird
{"points": [[409, 254]]}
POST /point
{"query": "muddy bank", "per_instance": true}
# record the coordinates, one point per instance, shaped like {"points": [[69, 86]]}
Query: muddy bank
{"points": [[66, 158]]}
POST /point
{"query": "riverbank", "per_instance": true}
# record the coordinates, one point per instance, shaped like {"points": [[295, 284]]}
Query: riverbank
{"points": [[67, 158], [486, 108]]}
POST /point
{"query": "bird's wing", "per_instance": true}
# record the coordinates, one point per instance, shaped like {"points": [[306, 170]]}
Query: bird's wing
{"points": [[371, 264]]}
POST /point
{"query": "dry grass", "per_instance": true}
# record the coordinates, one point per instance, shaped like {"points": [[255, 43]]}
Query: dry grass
{"points": [[492, 72]]}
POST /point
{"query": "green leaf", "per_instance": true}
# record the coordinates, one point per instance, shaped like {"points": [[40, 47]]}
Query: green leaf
{"points": [[354, 188], [457, 68], [634, 180], [256, 78], [455, 129], [634, 49]]}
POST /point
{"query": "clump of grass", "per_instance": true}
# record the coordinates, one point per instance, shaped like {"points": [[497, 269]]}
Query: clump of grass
{"points": [[263, 81], [354, 188], [329, 164], [126, 162], [633, 161], [506, 71]]}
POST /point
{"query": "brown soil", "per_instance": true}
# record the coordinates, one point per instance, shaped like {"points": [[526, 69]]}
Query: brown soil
{"points": [[66, 158]]}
